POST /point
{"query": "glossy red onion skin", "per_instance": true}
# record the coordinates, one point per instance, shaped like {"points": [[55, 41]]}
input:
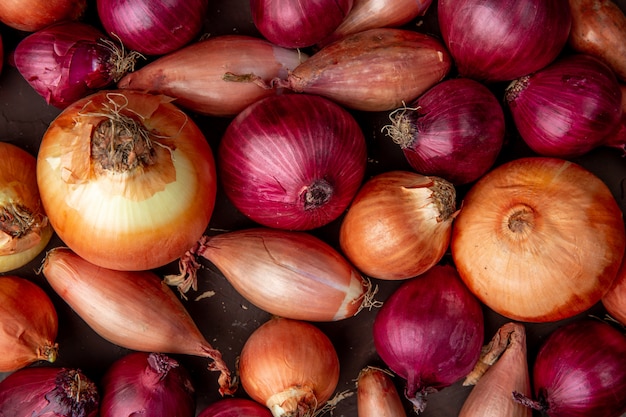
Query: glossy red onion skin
{"points": [[292, 161], [457, 131], [580, 370], [501, 40], [235, 407], [298, 24], [430, 332], [153, 27], [147, 383], [568, 108], [47, 392]]}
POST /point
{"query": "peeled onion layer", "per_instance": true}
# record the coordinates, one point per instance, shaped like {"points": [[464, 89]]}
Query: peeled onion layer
{"points": [[539, 239]]}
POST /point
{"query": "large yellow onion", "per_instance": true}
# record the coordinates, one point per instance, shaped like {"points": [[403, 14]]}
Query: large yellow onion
{"points": [[539, 239]]}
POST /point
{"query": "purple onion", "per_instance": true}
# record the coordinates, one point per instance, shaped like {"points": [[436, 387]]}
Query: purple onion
{"points": [[568, 108], [235, 407], [455, 130], [292, 161], [501, 40], [153, 27], [430, 332]]}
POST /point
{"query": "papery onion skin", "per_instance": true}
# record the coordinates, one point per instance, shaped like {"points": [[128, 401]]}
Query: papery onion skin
{"points": [[151, 384], [49, 392], [398, 225], [29, 324], [153, 27], [373, 70], [32, 15], [132, 309], [297, 24], [24, 227], [429, 332], [377, 395], [548, 225], [292, 161], [614, 301], [235, 407], [495, 40], [455, 130], [143, 216], [291, 366], [568, 108], [195, 73]]}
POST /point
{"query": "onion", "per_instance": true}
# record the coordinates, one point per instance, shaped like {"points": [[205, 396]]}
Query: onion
{"points": [[501, 370], [153, 27], [377, 395], [194, 74], [568, 108], [133, 309], [128, 169], [617, 138], [142, 383], [48, 392], [614, 301], [292, 161], [70, 60], [24, 227], [235, 407], [399, 224], [429, 332], [496, 40], [32, 15], [291, 366], [28, 324], [539, 239], [298, 24], [277, 269], [579, 371], [455, 130]]}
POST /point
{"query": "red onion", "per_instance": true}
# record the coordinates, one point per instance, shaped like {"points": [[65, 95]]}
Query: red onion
{"points": [[568, 108], [48, 392], [580, 370], [455, 130], [500, 40], [235, 407], [33, 15], [430, 332], [292, 161], [151, 384], [153, 27], [296, 23], [70, 60]]}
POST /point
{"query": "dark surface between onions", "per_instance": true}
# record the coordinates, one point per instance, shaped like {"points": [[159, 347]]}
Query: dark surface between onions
{"points": [[24, 118]]}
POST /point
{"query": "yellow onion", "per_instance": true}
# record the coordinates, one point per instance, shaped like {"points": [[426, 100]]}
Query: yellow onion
{"points": [[539, 239], [291, 366], [614, 301], [377, 396], [24, 227], [399, 224]]}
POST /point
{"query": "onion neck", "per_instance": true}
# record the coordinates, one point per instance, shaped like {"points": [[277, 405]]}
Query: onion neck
{"points": [[48, 352], [403, 127], [75, 393], [20, 229], [316, 194], [159, 366], [444, 197], [297, 401], [521, 220], [514, 89]]}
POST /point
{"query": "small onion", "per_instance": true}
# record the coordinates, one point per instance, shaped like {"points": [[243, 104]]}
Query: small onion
{"points": [[568, 108], [501, 40], [49, 392], [614, 301], [291, 366], [28, 324], [539, 239], [235, 407], [455, 130], [399, 224], [430, 332], [151, 384], [377, 395], [292, 161], [33, 15], [580, 370]]}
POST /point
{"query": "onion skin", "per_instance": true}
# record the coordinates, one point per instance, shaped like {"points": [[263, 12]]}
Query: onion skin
{"points": [[429, 332], [398, 225], [33, 15], [292, 161], [377, 395], [132, 309], [617, 139], [551, 227], [170, 201], [291, 366], [235, 407], [194, 74], [568, 108], [373, 70], [614, 301], [29, 324], [494, 40]]}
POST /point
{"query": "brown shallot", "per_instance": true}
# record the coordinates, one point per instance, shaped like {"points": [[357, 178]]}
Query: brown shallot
{"points": [[377, 395]]}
